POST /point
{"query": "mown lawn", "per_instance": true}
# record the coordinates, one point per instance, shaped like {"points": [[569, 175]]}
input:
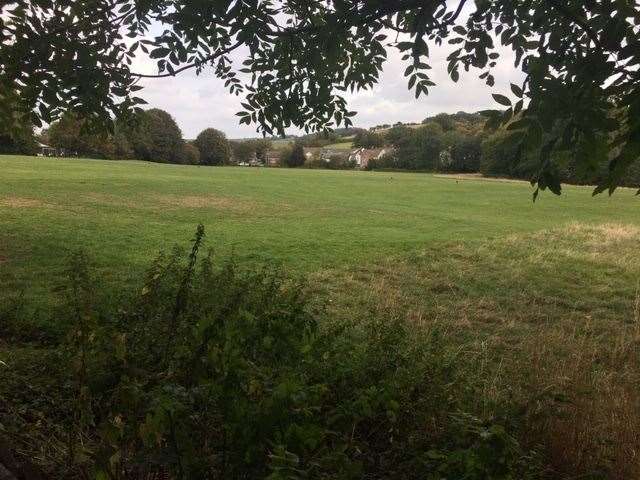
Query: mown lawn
{"points": [[123, 213]]}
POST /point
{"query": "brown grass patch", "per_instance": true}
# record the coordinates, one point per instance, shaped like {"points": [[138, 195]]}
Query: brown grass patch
{"points": [[595, 427], [604, 234], [22, 202], [477, 176], [99, 198], [206, 201], [171, 202]]}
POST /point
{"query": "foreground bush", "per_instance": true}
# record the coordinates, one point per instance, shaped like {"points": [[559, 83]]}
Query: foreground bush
{"points": [[218, 372]]}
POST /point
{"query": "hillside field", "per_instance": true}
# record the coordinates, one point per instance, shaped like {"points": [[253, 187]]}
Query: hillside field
{"points": [[539, 302], [123, 213]]}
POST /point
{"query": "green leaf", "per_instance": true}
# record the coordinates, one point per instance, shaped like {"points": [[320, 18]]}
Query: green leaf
{"points": [[159, 53], [501, 99], [460, 30], [517, 91]]}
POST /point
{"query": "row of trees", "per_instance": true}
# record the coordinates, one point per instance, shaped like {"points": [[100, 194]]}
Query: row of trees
{"points": [[151, 135], [460, 143], [503, 154], [451, 143]]}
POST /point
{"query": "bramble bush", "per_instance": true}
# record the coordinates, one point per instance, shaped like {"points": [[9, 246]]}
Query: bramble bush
{"points": [[215, 371]]}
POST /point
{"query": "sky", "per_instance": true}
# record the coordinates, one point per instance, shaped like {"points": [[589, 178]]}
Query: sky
{"points": [[199, 102]]}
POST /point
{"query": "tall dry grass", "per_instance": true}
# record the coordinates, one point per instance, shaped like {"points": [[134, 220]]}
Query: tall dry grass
{"points": [[549, 322]]}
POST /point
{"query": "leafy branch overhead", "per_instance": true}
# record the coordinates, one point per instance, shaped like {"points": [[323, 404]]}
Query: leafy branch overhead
{"points": [[293, 61]]}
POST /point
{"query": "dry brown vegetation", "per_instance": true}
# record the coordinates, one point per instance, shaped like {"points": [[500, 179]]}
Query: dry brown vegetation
{"points": [[21, 202]]}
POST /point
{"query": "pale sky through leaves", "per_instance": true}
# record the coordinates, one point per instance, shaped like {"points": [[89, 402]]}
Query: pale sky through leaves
{"points": [[199, 102]]}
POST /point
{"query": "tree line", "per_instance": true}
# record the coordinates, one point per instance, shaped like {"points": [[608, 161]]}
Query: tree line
{"points": [[461, 143], [453, 143], [151, 135]]}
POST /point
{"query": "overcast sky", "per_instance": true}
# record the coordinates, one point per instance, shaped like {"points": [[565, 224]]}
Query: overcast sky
{"points": [[199, 102]]}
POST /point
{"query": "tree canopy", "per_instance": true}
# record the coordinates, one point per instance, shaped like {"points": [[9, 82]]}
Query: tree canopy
{"points": [[294, 60], [155, 136], [214, 147]]}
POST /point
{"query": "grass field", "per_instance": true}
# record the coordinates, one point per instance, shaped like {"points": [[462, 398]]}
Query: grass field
{"points": [[123, 213], [542, 299], [341, 146]]}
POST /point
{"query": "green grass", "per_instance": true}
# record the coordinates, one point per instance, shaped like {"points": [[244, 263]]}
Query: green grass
{"points": [[281, 143], [125, 212], [341, 146], [543, 299]]}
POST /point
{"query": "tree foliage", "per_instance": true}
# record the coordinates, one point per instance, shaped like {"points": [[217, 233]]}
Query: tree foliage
{"points": [[16, 134], [295, 157], [190, 154], [252, 149], [214, 147], [156, 137], [75, 136], [580, 61], [367, 139]]}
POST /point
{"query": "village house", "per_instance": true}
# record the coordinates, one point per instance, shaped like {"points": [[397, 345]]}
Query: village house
{"points": [[273, 158], [362, 156], [49, 151]]}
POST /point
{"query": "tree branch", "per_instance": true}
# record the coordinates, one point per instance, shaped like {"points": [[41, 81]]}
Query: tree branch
{"points": [[208, 58]]}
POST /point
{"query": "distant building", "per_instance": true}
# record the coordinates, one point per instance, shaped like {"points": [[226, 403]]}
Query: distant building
{"points": [[47, 151], [312, 152], [362, 156], [273, 158], [327, 153]]}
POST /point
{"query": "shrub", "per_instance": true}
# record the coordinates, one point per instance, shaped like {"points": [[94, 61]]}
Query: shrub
{"points": [[460, 153], [388, 161], [190, 154], [243, 151], [214, 147], [334, 162], [295, 157], [76, 136], [501, 154], [212, 371]]}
